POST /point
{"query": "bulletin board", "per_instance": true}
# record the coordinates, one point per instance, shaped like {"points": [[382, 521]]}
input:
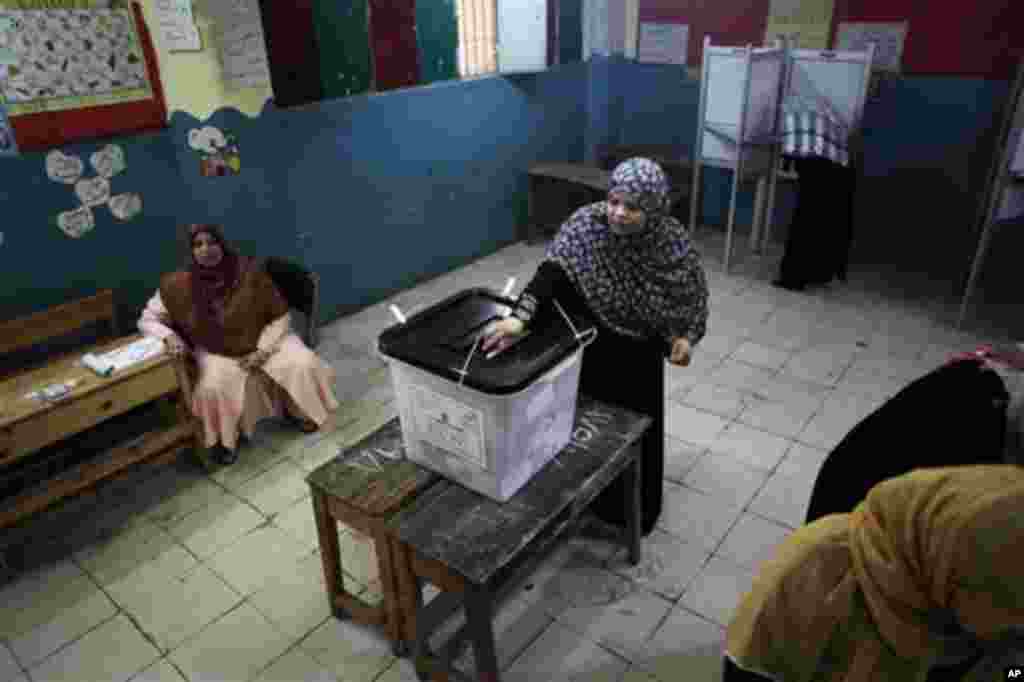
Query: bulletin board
{"points": [[80, 74]]}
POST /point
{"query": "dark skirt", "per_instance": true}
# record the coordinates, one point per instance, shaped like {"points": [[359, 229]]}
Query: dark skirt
{"points": [[621, 371], [820, 234], [955, 415]]}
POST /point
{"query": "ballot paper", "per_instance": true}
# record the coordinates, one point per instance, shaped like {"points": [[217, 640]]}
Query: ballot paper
{"points": [[118, 359]]}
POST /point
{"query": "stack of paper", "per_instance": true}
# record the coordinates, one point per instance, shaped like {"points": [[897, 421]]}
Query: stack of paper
{"points": [[177, 26], [125, 356]]}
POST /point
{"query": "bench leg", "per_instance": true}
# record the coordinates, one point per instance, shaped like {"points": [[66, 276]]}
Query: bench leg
{"points": [[634, 477], [480, 619], [330, 551]]}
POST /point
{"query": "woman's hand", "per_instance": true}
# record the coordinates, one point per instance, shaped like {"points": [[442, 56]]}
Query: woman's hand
{"points": [[680, 352], [255, 360], [501, 334], [174, 346]]}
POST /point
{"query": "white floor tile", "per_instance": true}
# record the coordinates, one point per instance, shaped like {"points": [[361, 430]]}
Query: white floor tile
{"points": [[115, 651], [623, 626], [756, 449], [36, 599], [172, 611], [236, 647], [295, 602], [726, 478], [752, 541], [9, 669], [561, 654], [717, 590], [784, 497], [722, 401], [33, 647], [161, 671], [667, 564], [296, 666], [685, 647], [680, 457], [263, 554], [352, 652], [691, 425], [751, 353], [697, 517]]}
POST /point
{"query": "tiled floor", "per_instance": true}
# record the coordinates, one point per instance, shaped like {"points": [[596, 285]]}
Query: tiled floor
{"points": [[177, 575]]}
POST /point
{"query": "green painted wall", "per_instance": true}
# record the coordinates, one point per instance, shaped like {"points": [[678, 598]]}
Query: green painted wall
{"points": [[343, 34]]}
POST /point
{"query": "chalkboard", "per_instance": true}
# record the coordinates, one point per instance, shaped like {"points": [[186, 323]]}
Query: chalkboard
{"points": [[834, 83]]}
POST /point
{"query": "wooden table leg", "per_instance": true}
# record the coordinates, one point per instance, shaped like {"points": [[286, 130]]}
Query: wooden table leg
{"points": [[480, 618], [388, 567], [330, 551], [634, 477]]}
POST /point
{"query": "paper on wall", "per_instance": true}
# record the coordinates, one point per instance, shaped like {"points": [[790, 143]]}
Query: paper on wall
{"points": [[93, 191], [125, 206], [177, 25], [63, 168], [108, 161], [76, 223], [810, 20], [207, 139], [664, 43], [244, 56], [888, 38]]}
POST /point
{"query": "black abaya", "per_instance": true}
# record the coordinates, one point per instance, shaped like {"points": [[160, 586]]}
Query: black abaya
{"points": [[820, 235], [955, 415], [617, 370]]}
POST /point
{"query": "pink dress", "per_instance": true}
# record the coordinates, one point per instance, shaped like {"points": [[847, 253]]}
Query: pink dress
{"points": [[227, 402]]}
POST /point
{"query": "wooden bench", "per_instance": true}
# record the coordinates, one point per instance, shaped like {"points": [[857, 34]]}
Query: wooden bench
{"points": [[31, 428]]}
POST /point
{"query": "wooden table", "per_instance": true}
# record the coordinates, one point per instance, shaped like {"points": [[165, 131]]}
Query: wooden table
{"points": [[364, 490], [28, 425], [476, 550]]}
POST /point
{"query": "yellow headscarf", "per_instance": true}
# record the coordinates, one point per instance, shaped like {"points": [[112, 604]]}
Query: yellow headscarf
{"points": [[856, 597]]}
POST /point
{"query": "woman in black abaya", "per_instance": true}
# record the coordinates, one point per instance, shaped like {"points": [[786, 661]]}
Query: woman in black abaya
{"points": [[629, 267]]}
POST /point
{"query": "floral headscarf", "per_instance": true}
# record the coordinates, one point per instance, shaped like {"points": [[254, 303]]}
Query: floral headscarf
{"points": [[645, 285]]}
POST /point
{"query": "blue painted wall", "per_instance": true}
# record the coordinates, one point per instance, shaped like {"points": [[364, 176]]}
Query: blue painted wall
{"points": [[374, 193]]}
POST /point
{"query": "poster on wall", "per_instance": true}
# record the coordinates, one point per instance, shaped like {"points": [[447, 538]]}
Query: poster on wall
{"points": [[664, 43], [62, 56], [888, 38], [810, 21]]}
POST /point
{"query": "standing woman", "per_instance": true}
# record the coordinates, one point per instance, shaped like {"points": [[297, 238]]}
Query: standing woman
{"points": [[225, 310], [630, 268]]}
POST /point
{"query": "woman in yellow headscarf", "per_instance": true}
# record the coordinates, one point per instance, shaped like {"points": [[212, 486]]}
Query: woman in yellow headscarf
{"points": [[927, 574]]}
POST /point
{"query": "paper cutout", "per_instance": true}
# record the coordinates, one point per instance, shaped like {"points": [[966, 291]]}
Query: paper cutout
{"points": [[218, 152], [125, 206], [93, 192], [6, 24], [207, 140], [76, 223], [63, 168], [108, 161]]}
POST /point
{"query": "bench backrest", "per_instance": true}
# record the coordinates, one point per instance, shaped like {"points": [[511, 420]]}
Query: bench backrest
{"points": [[26, 332]]}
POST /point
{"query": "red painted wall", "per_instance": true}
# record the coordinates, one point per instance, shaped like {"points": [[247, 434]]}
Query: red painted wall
{"points": [[978, 38]]}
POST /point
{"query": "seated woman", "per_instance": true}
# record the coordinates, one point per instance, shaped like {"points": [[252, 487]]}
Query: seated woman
{"points": [[225, 310]]}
